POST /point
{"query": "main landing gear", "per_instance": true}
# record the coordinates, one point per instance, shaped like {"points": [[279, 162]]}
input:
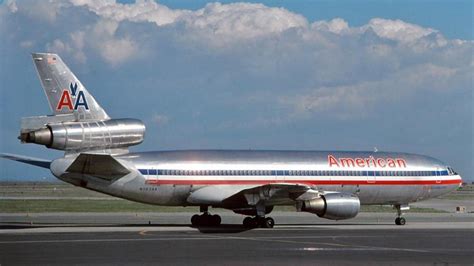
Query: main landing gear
{"points": [[205, 219], [255, 222], [400, 208], [259, 220]]}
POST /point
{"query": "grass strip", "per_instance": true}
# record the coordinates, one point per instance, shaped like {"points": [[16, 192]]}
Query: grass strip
{"points": [[110, 206]]}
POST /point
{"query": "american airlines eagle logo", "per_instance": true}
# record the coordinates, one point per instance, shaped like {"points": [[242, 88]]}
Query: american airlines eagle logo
{"points": [[72, 99]]}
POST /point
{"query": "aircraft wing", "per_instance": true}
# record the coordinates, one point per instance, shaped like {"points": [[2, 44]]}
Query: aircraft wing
{"points": [[100, 165], [276, 193]]}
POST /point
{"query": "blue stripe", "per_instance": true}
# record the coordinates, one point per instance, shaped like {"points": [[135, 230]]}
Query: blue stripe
{"points": [[291, 173]]}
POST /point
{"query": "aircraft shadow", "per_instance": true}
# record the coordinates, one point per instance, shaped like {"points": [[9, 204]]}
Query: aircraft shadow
{"points": [[223, 228]]}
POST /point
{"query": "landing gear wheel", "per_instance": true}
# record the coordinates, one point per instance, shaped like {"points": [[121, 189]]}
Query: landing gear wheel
{"points": [[216, 220], [400, 221], [195, 220], [248, 221], [256, 222], [206, 220], [268, 222]]}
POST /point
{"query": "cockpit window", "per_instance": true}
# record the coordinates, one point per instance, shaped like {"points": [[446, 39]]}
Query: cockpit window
{"points": [[451, 171]]}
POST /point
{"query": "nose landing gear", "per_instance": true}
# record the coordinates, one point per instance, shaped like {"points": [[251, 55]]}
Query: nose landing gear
{"points": [[400, 208], [400, 221]]}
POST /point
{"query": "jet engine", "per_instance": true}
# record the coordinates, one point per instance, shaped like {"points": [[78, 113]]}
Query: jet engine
{"points": [[334, 206], [108, 134]]}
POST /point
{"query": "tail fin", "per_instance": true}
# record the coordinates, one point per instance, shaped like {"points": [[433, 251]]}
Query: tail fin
{"points": [[66, 94]]}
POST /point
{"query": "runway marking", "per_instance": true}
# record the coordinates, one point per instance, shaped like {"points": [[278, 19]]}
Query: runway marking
{"points": [[342, 245], [106, 240], [282, 239], [142, 232], [328, 236], [355, 248], [339, 246]]}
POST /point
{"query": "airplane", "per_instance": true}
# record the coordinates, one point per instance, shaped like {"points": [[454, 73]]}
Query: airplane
{"points": [[330, 184]]}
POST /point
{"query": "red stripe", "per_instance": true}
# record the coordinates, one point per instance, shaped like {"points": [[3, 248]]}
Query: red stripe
{"points": [[308, 182]]}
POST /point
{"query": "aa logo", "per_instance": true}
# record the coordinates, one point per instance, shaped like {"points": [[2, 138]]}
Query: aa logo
{"points": [[72, 99]]}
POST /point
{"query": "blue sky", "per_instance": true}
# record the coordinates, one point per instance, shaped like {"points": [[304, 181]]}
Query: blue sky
{"points": [[312, 75]]}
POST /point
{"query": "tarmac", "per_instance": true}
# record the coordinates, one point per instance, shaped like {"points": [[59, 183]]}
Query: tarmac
{"points": [[298, 238]]}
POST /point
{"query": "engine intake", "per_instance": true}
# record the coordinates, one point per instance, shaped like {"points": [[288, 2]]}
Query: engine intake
{"points": [[114, 133], [333, 206]]}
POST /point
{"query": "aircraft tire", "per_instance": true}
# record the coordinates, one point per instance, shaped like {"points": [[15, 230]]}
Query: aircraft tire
{"points": [[247, 222], [402, 221], [268, 222], [216, 220], [195, 220]]}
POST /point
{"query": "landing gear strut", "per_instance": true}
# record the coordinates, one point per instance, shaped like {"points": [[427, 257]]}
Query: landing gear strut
{"points": [[205, 219], [400, 208]]}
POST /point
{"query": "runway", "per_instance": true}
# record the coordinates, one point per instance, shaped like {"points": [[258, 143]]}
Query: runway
{"points": [[429, 239]]}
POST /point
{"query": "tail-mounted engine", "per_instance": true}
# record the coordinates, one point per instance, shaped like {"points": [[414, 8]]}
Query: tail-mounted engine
{"points": [[108, 134], [334, 206]]}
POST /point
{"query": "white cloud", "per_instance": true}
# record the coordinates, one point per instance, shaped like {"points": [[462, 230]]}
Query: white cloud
{"points": [[243, 20], [26, 44], [141, 11], [160, 119], [328, 64], [39, 10], [360, 99], [74, 45], [11, 4], [336, 25], [58, 46], [398, 30], [116, 51], [237, 20]]}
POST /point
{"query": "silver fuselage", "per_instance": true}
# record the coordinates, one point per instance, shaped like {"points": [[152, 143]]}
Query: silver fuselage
{"points": [[170, 177]]}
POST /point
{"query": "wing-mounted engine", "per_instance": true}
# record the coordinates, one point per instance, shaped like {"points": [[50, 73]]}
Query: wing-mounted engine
{"points": [[333, 206], [86, 135]]}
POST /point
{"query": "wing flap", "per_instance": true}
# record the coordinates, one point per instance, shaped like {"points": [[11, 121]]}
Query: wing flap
{"points": [[99, 165]]}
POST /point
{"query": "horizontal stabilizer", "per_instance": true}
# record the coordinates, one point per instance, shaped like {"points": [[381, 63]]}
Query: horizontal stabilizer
{"points": [[99, 165], [25, 159]]}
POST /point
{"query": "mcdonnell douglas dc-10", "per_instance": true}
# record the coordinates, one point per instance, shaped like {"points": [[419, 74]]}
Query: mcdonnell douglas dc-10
{"points": [[330, 184]]}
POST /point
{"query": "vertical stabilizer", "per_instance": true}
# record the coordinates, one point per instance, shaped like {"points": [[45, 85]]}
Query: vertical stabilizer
{"points": [[66, 94]]}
